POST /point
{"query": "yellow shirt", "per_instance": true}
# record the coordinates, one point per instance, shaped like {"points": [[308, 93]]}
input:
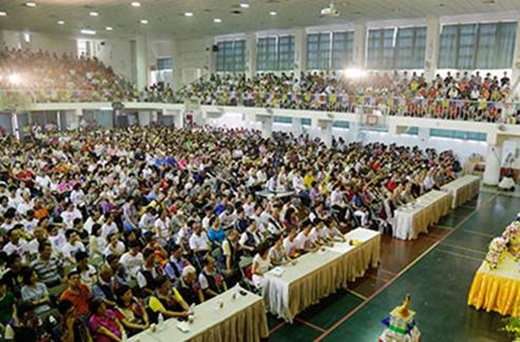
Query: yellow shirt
{"points": [[156, 305], [307, 181]]}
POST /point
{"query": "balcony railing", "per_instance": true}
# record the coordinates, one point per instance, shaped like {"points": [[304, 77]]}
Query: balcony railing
{"points": [[451, 109]]}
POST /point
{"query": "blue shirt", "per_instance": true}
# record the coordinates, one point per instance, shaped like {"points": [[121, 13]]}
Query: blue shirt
{"points": [[216, 236]]}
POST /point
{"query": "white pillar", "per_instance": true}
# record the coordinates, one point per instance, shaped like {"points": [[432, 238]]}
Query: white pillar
{"points": [[360, 44], [431, 55], [297, 127], [141, 61], [300, 51], [251, 55], [424, 136], [267, 127], [515, 75], [326, 131], [145, 118], [353, 132], [492, 170]]}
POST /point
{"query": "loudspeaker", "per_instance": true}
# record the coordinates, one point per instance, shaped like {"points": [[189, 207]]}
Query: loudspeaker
{"points": [[214, 48]]}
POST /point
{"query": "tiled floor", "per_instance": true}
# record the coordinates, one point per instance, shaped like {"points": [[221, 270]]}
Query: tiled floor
{"points": [[436, 270]]}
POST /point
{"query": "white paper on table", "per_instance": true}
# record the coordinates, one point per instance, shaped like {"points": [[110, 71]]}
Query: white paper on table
{"points": [[341, 247], [277, 271], [184, 327]]}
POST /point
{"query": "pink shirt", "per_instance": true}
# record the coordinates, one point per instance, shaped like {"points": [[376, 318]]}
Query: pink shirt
{"points": [[108, 322]]}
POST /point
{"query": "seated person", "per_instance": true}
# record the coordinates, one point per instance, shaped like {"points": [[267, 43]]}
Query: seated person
{"points": [[176, 263], [104, 323], [290, 246], [25, 325], [261, 264], [277, 253], [304, 241], [35, 292], [148, 272], [250, 238], [133, 314], [7, 304], [189, 287], [211, 281], [167, 301], [70, 327]]}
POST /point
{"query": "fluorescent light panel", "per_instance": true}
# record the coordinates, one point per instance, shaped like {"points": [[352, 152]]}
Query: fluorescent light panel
{"points": [[89, 32]]}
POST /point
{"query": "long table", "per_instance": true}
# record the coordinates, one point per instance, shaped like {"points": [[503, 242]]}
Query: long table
{"points": [[497, 290], [462, 189], [242, 319], [412, 219], [317, 275]]}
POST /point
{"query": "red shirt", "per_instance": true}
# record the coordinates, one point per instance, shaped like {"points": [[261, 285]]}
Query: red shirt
{"points": [[80, 300]]}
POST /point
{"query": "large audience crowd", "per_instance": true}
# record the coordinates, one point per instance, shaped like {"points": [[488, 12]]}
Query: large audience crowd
{"points": [[105, 232], [45, 77]]}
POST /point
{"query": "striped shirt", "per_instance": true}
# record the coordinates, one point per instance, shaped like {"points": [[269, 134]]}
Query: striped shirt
{"points": [[48, 271]]}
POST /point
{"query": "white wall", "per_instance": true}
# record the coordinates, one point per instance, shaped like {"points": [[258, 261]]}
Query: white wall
{"points": [[117, 54], [462, 148], [60, 45], [193, 57]]}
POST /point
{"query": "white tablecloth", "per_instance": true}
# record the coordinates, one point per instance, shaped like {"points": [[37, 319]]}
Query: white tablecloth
{"points": [[411, 220], [462, 189], [319, 274], [241, 319]]}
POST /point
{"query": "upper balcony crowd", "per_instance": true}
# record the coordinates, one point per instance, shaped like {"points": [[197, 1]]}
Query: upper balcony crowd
{"points": [[47, 77]]}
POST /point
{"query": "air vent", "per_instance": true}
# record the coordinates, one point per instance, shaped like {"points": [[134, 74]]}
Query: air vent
{"points": [[236, 12]]}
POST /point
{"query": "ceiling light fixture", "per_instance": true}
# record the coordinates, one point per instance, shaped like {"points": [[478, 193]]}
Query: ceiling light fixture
{"points": [[93, 14], [60, 22], [273, 13], [136, 4], [143, 21], [108, 28], [30, 4], [244, 5], [89, 32], [3, 14], [188, 14], [217, 20]]}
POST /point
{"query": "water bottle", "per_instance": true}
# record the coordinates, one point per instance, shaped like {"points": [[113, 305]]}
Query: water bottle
{"points": [[160, 321]]}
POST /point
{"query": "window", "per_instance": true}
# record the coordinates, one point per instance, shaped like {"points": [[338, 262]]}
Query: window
{"points": [[342, 50], [380, 49], [164, 63], [286, 53], [267, 54], [410, 48], [475, 46], [83, 48], [231, 56], [330, 50]]}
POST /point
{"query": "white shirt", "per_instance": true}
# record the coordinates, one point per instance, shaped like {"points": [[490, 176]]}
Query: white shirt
{"points": [[244, 237], [289, 246], [19, 249], [69, 251], [77, 197], [302, 240], [141, 279], [120, 249], [131, 263], [69, 217], [163, 227], [108, 229], [58, 241], [199, 242], [23, 207]]}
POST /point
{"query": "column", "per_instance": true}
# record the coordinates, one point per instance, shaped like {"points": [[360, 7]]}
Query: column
{"points": [[360, 44], [492, 171], [515, 75], [424, 136], [300, 51], [267, 127], [145, 118], [141, 61], [251, 55], [326, 131], [297, 127], [431, 55], [353, 132]]}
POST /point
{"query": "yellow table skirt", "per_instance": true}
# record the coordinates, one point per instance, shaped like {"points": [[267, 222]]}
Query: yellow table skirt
{"points": [[497, 290]]}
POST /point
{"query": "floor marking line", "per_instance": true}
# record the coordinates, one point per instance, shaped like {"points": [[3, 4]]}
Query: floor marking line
{"points": [[276, 327], [442, 227], [459, 255], [356, 294], [463, 248], [478, 233], [377, 292], [314, 326]]}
